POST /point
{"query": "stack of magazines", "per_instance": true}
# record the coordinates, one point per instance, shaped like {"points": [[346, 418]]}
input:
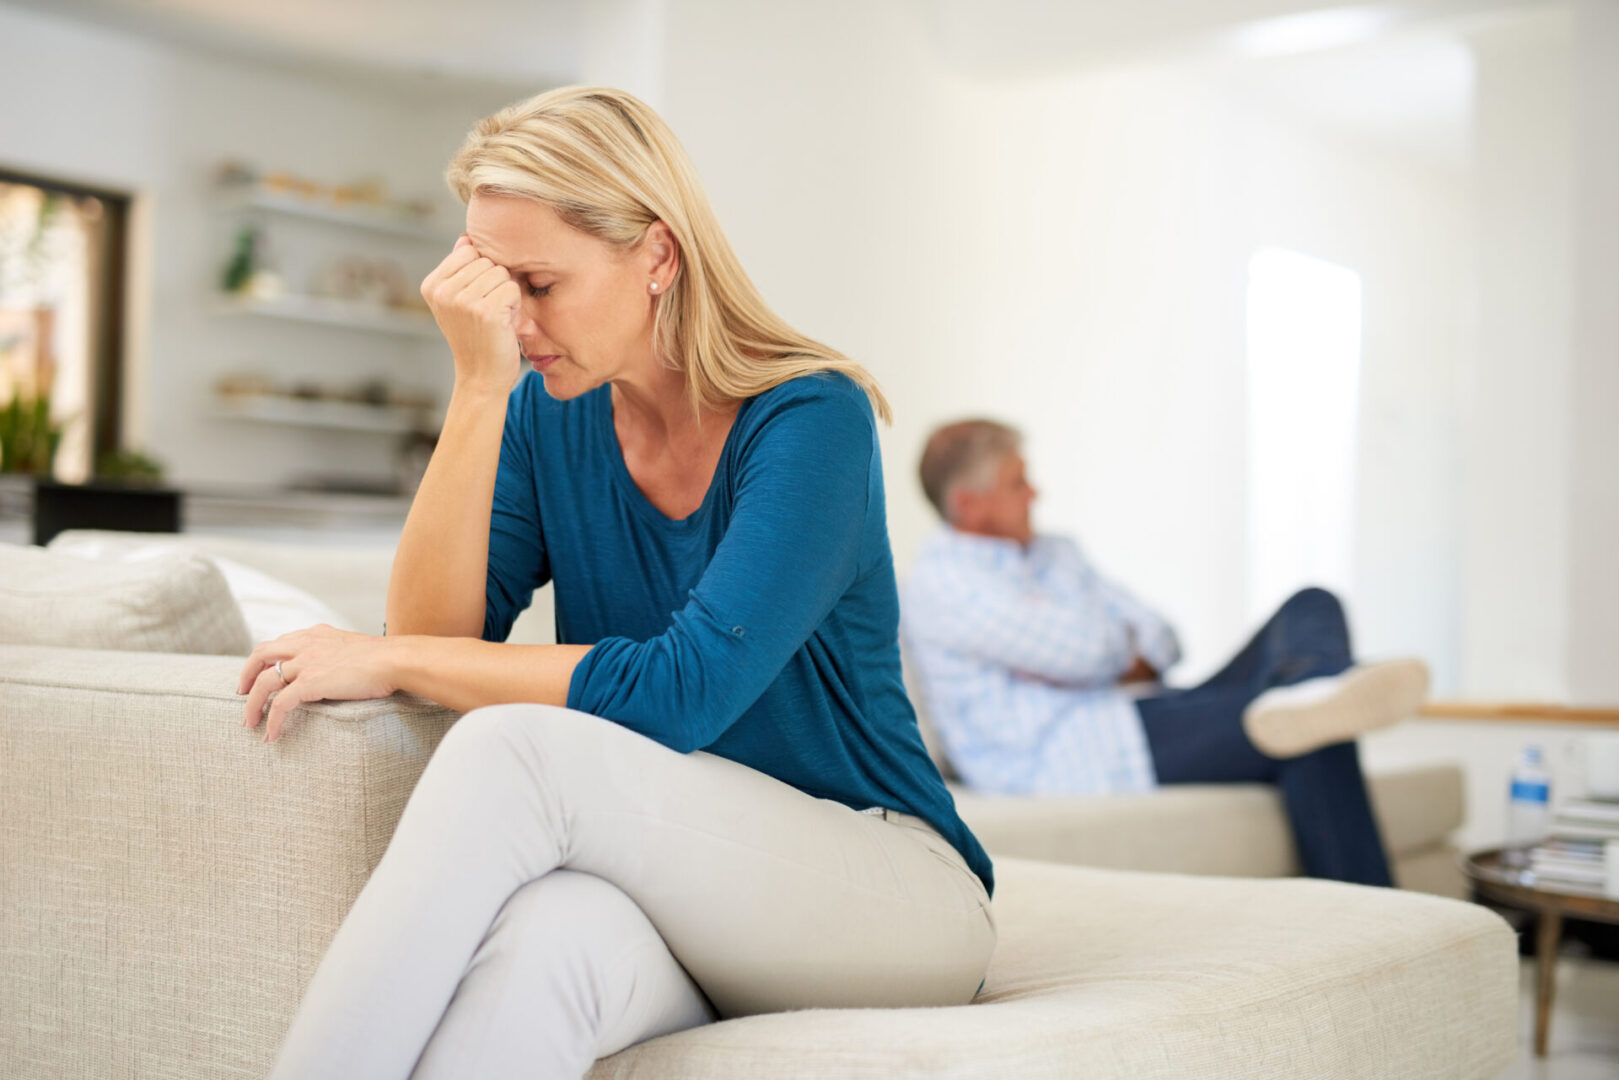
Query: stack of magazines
{"points": [[1571, 859]]}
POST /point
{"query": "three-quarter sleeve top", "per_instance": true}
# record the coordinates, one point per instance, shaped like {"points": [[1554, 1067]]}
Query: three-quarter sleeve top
{"points": [[763, 628]]}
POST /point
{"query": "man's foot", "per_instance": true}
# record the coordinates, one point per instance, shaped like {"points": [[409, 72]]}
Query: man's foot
{"points": [[1288, 721]]}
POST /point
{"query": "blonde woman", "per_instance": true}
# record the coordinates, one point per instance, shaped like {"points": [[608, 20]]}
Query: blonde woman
{"points": [[711, 799]]}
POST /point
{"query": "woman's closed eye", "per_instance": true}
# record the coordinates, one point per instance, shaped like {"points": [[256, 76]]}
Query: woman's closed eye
{"points": [[539, 290]]}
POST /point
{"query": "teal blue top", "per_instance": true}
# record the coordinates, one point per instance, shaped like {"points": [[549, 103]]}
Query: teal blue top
{"points": [[764, 628]]}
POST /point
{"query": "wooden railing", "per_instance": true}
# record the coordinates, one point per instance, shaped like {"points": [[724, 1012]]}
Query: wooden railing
{"points": [[1520, 712]]}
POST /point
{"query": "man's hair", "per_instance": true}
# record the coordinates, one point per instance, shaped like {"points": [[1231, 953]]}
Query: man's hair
{"points": [[959, 454]]}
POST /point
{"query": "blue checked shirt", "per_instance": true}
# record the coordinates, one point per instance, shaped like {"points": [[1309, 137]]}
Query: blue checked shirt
{"points": [[1019, 653]]}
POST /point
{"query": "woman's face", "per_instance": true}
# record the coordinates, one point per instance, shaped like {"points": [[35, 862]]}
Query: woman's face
{"points": [[585, 317]]}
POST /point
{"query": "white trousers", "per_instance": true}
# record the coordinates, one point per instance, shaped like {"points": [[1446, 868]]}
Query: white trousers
{"points": [[560, 888]]}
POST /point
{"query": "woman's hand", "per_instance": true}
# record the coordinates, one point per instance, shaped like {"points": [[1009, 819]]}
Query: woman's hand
{"points": [[477, 305], [318, 664]]}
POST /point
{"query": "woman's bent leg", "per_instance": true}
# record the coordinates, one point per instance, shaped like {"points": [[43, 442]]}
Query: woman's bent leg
{"points": [[570, 971], [771, 899]]}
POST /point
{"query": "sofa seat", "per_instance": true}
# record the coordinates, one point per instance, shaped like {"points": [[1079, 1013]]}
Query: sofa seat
{"points": [[1234, 830], [168, 884], [1114, 974]]}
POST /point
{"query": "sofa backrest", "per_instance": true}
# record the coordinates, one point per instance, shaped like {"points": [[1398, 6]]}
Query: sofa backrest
{"points": [[351, 580]]}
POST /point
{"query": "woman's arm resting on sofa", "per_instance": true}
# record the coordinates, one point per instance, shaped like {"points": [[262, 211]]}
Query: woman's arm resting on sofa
{"points": [[323, 663]]}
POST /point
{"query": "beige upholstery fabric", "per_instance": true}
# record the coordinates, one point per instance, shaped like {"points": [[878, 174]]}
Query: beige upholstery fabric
{"points": [[352, 580], [1236, 830], [1106, 974], [1419, 807], [1436, 870], [178, 603], [168, 881]]}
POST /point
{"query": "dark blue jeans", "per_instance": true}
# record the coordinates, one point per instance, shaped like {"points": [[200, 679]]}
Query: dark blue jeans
{"points": [[1196, 737]]}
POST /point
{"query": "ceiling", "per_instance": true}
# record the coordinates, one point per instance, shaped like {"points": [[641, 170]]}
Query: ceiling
{"points": [[1410, 92], [1388, 69], [544, 40], [1020, 36], [535, 40]]}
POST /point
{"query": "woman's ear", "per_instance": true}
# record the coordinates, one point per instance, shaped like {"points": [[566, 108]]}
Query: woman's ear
{"points": [[662, 254]]}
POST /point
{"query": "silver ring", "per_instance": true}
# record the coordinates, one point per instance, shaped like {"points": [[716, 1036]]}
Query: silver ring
{"points": [[278, 674]]}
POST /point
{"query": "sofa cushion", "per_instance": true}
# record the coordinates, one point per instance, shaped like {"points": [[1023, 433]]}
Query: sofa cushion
{"points": [[1230, 829], [350, 581], [271, 607], [1108, 974], [353, 580], [173, 602]]}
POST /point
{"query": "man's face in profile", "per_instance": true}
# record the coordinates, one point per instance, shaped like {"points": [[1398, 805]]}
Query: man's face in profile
{"points": [[1002, 508]]}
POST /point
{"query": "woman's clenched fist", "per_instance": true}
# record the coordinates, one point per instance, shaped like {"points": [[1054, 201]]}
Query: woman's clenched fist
{"points": [[476, 305]]}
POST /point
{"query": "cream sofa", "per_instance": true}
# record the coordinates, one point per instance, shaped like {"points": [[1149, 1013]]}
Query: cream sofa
{"points": [[168, 883], [1231, 830]]}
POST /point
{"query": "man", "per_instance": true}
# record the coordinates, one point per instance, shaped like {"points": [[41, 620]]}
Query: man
{"points": [[1024, 653]]}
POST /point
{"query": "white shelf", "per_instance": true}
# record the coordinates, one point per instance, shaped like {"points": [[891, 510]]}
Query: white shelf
{"points": [[355, 217], [342, 313], [342, 415]]}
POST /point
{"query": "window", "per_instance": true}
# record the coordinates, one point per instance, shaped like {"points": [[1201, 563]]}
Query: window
{"points": [[61, 298], [1304, 323]]}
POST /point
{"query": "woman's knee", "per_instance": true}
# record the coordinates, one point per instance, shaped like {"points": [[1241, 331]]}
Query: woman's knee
{"points": [[584, 938], [502, 729], [568, 916]]}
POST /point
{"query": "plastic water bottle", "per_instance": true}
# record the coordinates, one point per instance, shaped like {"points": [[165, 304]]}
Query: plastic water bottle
{"points": [[1529, 802]]}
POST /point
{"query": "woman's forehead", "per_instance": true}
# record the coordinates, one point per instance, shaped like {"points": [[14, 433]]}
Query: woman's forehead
{"points": [[518, 233]]}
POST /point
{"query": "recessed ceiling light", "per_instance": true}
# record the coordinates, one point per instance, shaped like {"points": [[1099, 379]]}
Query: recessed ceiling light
{"points": [[1309, 31]]}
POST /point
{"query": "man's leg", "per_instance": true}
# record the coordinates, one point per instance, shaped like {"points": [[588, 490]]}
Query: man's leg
{"points": [[1196, 737], [1307, 690], [1307, 637]]}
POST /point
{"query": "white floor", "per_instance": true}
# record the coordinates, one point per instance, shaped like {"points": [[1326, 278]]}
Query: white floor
{"points": [[1585, 1023]]}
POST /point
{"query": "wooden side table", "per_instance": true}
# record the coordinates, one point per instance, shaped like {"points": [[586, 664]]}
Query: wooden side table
{"points": [[1515, 887]]}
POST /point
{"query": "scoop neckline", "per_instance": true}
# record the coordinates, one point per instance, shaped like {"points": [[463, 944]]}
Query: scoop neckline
{"points": [[633, 495]]}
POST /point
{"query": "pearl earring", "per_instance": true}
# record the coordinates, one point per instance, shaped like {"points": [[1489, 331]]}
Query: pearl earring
{"points": [[654, 286]]}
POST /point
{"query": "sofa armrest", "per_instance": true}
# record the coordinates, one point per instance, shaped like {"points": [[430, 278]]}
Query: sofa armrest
{"points": [[168, 881]]}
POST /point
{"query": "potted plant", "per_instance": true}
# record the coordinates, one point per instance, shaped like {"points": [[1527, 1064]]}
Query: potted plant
{"points": [[28, 434]]}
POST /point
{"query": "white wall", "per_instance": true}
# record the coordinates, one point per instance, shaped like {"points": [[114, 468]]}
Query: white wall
{"points": [[1513, 534], [1070, 254], [1127, 205], [126, 113], [833, 145], [1593, 534]]}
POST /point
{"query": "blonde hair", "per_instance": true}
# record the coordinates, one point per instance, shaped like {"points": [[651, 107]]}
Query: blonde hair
{"points": [[610, 167]]}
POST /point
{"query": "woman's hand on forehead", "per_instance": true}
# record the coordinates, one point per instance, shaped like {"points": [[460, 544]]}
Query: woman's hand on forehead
{"points": [[477, 305], [465, 241]]}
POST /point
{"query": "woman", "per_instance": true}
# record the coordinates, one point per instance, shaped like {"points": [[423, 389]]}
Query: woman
{"points": [[718, 802]]}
